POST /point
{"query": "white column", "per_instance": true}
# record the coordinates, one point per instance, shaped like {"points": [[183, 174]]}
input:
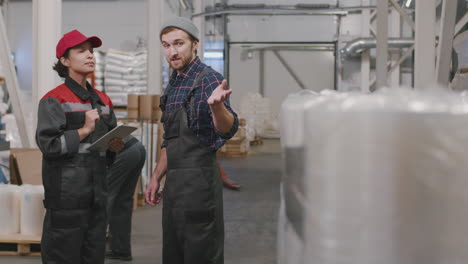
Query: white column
{"points": [[365, 56], [424, 55], [444, 49], [382, 43], [199, 7], [47, 30], [154, 17], [11, 80], [395, 21]]}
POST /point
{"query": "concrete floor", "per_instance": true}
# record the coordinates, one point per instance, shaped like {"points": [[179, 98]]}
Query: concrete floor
{"points": [[250, 214]]}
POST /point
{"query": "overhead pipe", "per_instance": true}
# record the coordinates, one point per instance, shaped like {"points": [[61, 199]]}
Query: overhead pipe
{"points": [[298, 9], [355, 47]]}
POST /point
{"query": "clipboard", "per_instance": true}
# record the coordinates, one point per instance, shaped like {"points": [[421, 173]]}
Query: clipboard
{"points": [[101, 144]]}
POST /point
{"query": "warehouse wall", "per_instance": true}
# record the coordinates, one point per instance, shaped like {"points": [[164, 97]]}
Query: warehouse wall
{"points": [[119, 23]]}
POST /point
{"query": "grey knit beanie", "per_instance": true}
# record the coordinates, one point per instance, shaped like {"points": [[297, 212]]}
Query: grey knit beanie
{"points": [[181, 23]]}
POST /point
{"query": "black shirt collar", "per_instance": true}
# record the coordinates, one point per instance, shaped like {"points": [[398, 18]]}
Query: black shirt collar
{"points": [[83, 94]]}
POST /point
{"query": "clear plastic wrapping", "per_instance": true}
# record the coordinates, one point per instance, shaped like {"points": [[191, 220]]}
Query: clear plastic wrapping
{"points": [[32, 209], [9, 209], [385, 178]]}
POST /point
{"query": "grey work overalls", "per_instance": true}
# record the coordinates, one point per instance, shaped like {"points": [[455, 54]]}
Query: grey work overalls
{"points": [[193, 223], [74, 227]]}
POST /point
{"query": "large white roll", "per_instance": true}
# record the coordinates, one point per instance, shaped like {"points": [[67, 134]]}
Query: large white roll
{"points": [[9, 209], [386, 179], [291, 219], [32, 209]]}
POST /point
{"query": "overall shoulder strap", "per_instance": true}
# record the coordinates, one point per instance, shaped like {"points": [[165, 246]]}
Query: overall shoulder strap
{"points": [[189, 96], [196, 83]]}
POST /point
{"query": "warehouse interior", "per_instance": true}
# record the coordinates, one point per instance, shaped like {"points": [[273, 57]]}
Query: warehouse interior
{"points": [[352, 143]]}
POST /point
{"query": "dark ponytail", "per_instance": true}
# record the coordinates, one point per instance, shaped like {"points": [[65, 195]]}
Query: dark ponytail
{"points": [[61, 69]]}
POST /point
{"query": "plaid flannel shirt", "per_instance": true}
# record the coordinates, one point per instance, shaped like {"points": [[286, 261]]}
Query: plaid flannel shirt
{"points": [[201, 122]]}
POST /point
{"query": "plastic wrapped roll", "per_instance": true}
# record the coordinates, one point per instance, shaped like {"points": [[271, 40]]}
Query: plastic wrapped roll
{"points": [[291, 218], [386, 179], [350, 184], [32, 209], [9, 209], [434, 198]]}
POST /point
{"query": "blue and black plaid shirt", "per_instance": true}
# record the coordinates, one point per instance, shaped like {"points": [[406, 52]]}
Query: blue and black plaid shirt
{"points": [[202, 121]]}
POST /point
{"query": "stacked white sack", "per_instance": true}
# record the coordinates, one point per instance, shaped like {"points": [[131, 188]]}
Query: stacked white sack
{"points": [[32, 209], [9, 209], [99, 71], [125, 73], [384, 177], [290, 221], [256, 110]]}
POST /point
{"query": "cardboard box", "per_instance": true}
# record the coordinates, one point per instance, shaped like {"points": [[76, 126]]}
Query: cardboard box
{"points": [[145, 106], [132, 106], [25, 166]]}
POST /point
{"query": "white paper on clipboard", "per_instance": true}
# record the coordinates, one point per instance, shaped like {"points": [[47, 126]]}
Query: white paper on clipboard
{"points": [[101, 144]]}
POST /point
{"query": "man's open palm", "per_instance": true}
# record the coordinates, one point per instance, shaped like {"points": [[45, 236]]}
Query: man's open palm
{"points": [[219, 94]]}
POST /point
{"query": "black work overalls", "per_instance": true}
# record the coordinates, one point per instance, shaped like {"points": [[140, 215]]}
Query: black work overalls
{"points": [[193, 223]]}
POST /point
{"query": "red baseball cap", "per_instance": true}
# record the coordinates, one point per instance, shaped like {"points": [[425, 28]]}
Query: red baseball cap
{"points": [[72, 39]]}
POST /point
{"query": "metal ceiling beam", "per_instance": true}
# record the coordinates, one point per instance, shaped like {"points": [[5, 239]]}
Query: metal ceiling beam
{"points": [[463, 21], [258, 12], [444, 49], [403, 14], [393, 67], [289, 69], [281, 10]]}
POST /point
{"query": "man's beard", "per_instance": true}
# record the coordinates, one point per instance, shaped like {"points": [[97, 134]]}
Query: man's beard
{"points": [[181, 63]]}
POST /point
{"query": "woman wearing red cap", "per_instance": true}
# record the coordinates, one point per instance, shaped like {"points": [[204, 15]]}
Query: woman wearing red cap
{"points": [[70, 118]]}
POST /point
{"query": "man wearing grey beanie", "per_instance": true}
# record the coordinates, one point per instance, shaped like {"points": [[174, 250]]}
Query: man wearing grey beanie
{"points": [[197, 120]]}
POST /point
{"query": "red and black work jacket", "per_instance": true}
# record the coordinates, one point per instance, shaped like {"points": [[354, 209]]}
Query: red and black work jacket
{"points": [[61, 113]]}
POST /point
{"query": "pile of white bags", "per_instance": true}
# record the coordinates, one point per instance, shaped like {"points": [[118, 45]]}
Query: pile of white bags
{"points": [[125, 73], [99, 71], [256, 110]]}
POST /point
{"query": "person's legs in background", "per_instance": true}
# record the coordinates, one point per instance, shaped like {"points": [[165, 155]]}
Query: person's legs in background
{"points": [[122, 180], [228, 183]]}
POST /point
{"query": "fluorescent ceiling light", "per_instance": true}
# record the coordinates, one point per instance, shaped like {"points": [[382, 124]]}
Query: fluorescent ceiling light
{"points": [[213, 54]]}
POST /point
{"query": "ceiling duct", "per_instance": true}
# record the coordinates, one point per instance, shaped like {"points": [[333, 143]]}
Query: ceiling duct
{"points": [[355, 47]]}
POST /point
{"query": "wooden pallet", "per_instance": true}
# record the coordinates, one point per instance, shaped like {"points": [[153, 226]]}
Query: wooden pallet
{"points": [[234, 155], [20, 245], [256, 141]]}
